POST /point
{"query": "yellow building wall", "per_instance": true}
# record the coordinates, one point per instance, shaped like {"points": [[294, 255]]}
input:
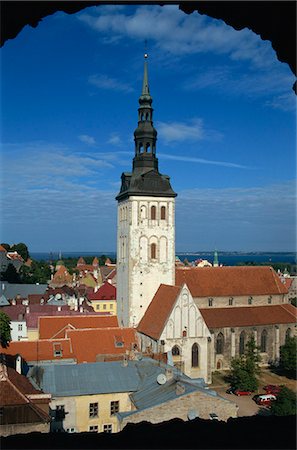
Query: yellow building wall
{"points": [[83, 421], [105, 306], [33, 334]]}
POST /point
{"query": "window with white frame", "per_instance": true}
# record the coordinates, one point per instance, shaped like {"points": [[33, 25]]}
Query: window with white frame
{"points": [[107, 428], [93, 410], [93, 428]]}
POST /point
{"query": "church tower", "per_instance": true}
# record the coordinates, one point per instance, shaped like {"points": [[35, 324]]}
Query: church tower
{"points": [[146, 225]]}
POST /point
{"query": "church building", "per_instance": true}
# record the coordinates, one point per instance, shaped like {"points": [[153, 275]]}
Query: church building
{"points": [[200, 317], [146, 226]]}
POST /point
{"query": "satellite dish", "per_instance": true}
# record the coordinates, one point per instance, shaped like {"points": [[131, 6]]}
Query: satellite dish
{"points": [[161, 378]]}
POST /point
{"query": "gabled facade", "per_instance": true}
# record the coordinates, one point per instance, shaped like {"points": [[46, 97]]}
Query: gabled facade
{"points": [[173, 324], [146, 227]]}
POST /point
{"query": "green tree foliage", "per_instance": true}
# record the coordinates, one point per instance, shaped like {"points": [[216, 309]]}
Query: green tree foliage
{"points": [[5, 330], [294, 301], [6, 246], [11, 275], [285, 403], [288, 358], [244, 369], [22, 250], [38, 272]]}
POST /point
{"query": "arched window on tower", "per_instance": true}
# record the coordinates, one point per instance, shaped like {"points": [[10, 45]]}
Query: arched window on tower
{"points": [[141, 147], [220, 344], [148, 148], [264, 341], [153, 251], [153, 213], [147, 116], [163, 213], [141, 116], [195, 355], [241, 343]]}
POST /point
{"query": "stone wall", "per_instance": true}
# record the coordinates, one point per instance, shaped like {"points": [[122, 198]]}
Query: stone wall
{"points": [[241, 300], [197, 403], [23, 428]]}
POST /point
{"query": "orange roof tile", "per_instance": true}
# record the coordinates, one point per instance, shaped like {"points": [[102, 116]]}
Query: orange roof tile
{"points": [[88, 344], [62, 275], [2, 249], [156, 315], [245, 316], [230, 281], [56, 327], [41, 350]]}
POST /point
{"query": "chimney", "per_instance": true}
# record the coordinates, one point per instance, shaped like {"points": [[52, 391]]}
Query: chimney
{"points": [[81, 309], [180, 388], [27, 310], [18, 364], [125, 361], [169, 373]]}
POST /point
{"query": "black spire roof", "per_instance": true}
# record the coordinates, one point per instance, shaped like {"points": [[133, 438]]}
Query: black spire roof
{"points": [[145, 178]]}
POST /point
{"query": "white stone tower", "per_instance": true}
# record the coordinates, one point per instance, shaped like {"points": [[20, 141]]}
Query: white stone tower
{"points": [[146, 225]]}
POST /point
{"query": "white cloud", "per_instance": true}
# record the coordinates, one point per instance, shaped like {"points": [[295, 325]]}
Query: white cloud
{"points": [[178, 33], [108, 83], [193, 130], [252, 218], [114, 139], [87, 139], [203, 161]]}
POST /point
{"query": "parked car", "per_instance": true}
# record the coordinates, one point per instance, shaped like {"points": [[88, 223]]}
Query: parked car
{"points": [[239, 392], [230, 390], [213, 416], [265, 399], [272, 389]]}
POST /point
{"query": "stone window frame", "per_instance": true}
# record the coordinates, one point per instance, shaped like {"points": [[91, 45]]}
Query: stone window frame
{"points": [[241, 345], [107, 428], [163, 212], [93, 428], [176, 352], [153, 212], [220, 343], [195, 355], [231, 300], [210, 301], [263, 341], [153, 250]]}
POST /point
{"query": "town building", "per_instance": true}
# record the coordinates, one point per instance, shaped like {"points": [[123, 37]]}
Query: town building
{"points": [[146, 226], [206, 320], [120, 392], [23, 409], [104, 299]]}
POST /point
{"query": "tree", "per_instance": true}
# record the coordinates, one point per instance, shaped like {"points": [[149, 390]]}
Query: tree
{"points": [[245, 368], [288, 358], [5, 330], [11, 275], [6, 246], [294, 301], [285, 403], [22, 250]]}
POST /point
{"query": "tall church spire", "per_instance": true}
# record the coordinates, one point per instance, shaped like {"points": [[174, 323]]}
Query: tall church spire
{"points": [[145, 178], [145, 135]]}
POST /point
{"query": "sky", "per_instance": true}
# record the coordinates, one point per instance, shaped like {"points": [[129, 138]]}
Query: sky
{"points": [[224, 110]]}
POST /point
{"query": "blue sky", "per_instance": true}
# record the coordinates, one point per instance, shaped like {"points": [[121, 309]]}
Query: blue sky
{"points": [[224, 110]]}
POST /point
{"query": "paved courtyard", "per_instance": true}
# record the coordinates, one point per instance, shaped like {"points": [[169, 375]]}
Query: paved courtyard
{"points": [[247, 406]]}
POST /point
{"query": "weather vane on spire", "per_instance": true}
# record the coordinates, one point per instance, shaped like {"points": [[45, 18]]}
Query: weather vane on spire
{"points": [[145, 49]]}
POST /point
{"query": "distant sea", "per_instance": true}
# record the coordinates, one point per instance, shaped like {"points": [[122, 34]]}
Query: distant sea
{"points": [[225, 258]]}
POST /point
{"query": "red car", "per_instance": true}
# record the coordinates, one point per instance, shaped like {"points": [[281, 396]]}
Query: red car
{"points": [[240, 392], [272, 389]]}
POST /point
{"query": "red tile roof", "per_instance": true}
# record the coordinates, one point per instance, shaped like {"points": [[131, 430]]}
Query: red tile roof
{"points": [[156, 315], [245, 316], [41, 350], [14, 387], [230, 281], [86, 268], [88, 344], [106, 292], [61, 276], [288, 282], [56, 327], [2, 249], [32, 317]]}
